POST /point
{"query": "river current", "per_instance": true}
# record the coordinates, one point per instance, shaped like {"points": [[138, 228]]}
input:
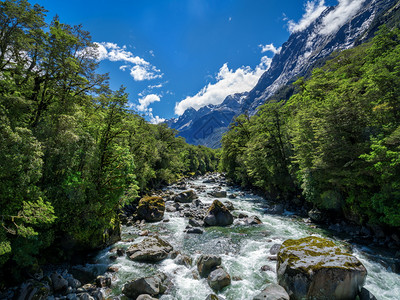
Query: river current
{"points": [[244, 251]]}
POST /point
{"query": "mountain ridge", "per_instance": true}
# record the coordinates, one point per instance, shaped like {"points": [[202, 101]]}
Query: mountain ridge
{"points": [[303, 51]]}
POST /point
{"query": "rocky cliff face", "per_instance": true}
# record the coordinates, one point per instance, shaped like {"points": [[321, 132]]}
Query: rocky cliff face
{"points": [[303, 51]]}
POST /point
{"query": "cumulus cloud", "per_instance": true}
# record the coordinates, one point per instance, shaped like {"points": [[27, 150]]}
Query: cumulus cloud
{"points": [[140, 73], [146, 101], [228, 82], [140, 69], [345, 10], [155, 119], [271, 48], [113, 52], [313, 10]]}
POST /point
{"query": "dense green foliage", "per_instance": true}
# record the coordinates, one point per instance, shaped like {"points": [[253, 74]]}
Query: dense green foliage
{"points": [[337, 141], [72, 153]]}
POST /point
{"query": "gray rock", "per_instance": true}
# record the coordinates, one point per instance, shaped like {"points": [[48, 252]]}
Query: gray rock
{"points": [[59, 283], [185, 197], [214, 297], [218, 194], [316, 268], [229, 205], [84, 296], [72, 296], [232, 196], [151, 249], [218, 215], [103, 281], [184, 260], [82, 273], [153, 286], [272, 292], [317, 216], [145, 297], [74, 283], [253, 220], [33, 289], [195, 230], [366, 295], [275, 249], [277, 209], [218, 279], [196, 223], [207, 263]]}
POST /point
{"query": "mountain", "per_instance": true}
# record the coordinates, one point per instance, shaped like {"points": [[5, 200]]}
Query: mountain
{"points": [[333, 30], [207, 125]]}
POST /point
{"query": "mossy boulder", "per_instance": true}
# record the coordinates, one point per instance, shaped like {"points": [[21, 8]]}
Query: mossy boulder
{"points": [[315, 268], [151, 249], [218, 215], [151, 209]]}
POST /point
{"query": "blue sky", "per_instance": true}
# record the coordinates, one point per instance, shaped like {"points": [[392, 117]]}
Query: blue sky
{"points": [[171, 55]]}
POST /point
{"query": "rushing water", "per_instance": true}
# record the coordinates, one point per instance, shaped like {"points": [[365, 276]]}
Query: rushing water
{"points": [[244, 250]]}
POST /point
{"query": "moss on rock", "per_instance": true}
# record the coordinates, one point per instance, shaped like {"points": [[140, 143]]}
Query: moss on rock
{"points": [[314, 267]]}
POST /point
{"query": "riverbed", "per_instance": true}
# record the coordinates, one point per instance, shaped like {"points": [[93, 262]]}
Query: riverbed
{"points": [[244, 250]]}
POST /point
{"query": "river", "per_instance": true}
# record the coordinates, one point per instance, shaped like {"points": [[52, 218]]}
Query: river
{"points": [[244, 250]]}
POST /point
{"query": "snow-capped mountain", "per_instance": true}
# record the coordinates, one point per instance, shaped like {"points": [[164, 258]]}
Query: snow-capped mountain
{"points": [[335, 29]]}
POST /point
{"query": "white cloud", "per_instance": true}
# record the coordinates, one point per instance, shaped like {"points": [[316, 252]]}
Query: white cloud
{"points": [[156, 86], [155, 119], [113, 52], [140, 69], [228, 82], [140, 73], [270, 47], [146, 101], [313, 10], [340, 15]]}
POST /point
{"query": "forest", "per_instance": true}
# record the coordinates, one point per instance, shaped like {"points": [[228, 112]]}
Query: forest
{"points": [[334, 145], [72, 151]]}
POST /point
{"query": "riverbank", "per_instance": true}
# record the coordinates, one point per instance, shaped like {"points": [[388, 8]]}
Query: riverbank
{"points": [[244, 248]]}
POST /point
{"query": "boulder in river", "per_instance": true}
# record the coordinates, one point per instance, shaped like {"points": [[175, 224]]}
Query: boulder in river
{"points": [[151, 209], [315, 268], [272, 292], [207, 263], [218, 279], [185, 197], [151, 249], [153, 286], [218, 194], [275, 249], [218, 215]]}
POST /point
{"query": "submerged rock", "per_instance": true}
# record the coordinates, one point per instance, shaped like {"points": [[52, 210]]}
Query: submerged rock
{"points": [[151, 249], [208, 263], [151, 209], [218, 279], [272, 292], [315, 268], [185, 197], [218, 215]]}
